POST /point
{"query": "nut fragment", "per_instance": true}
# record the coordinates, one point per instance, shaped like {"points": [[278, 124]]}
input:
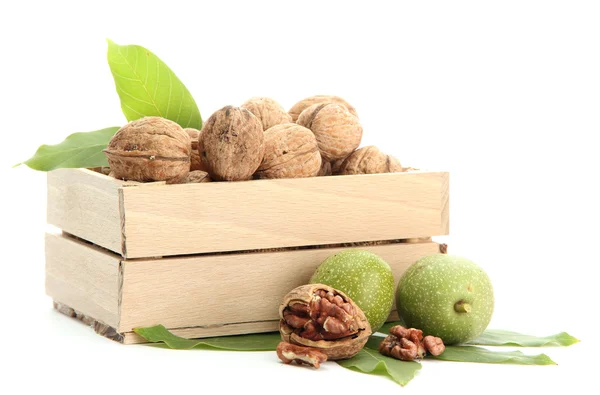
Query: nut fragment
{"points": [[149, 149], [231, 144], [324, 318], [302, 105], [335, 166], [289, 353], [291, 151], [369, 160], [268, 111], [195, 162], [197, 176], [338, 132], [408, 344], [325, 169]]}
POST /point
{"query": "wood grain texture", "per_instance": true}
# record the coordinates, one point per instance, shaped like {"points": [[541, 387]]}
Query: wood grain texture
{"points": [[83, 277], [164, 220], [215, 290], [85, 203]]}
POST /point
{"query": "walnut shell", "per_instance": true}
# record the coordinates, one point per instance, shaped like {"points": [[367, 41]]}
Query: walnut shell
{"points": [[337, 131], [343, 347], [231, 144], [291, 151], [268, 111], [325, 169], [335, 166], [369, 160], [302, 105], [195, 162], [196, 176], [149, 149]]}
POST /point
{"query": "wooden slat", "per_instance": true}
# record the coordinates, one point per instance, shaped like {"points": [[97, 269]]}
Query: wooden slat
{"points": [[216, 290], [163, 220], [83, 277], [86, 204]]}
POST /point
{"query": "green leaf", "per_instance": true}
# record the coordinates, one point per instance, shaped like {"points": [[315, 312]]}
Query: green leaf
{"points": [[369, 360], [495, 337], [253, 342], [77, 150], [482, 355], [148, 87]]}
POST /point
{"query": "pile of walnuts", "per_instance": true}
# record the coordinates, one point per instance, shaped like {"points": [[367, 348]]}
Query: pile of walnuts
{"points": [[318, 136]]}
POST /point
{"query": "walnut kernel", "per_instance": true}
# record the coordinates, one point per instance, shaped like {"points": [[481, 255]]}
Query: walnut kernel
{"points": [[149, 149], [231, 144], [337, 131], [302, 105], [289, 353], [291, 151], [268, 111]]}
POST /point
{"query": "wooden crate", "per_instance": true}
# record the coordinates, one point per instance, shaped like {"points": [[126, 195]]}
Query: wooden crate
{"points": [[216, 259]]}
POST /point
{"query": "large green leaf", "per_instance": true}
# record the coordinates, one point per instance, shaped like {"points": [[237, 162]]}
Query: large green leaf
{"points": [[148, 87], [369, 360], [77, 150], [495, 337], [482, 355], [253, 342]]}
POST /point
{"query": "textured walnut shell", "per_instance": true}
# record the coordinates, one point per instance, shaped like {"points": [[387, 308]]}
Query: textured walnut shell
{"points": [[149, 149], [196, 176], [325, 169], [337, 131], [291, 151], [369, 160], [268, 111], [335, 166], [342, 348], [195, 162], [302, 105], [231, 144]]}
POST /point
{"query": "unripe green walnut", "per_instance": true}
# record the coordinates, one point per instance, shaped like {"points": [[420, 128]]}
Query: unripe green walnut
{"points": [[365, 277], [446, 296]]}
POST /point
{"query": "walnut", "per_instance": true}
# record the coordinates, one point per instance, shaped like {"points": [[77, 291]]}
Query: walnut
{"points": [[149, 149], [408, 344], [289, 353], [268, 111], [195, 162], [337, 131], [325, 169], [302, 105], [335, 166], [197, 176], [369, 160], [291, 151], [321, 317], [231, 144]]}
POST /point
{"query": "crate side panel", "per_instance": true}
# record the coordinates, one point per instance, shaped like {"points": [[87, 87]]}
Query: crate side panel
{"points": [[83, 278], [211, 217], [215, 290], [85, 204]]}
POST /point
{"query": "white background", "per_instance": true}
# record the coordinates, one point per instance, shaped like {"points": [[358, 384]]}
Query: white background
{"points": [[504, 95]]}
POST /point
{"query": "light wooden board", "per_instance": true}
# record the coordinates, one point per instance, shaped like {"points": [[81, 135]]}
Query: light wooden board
{"points": [[199, 218], [86, 204], [83, 277], [213, 290]]}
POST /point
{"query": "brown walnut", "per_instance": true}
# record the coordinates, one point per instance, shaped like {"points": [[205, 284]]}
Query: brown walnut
{"points": [[149, 149], [369, 160], [321, 317], [337, 131], [289, 353], [197, 176], [268, 111], [231, 144], [302, 105], [195, 162], [291, 151], [325, 169], [335, 166]]}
